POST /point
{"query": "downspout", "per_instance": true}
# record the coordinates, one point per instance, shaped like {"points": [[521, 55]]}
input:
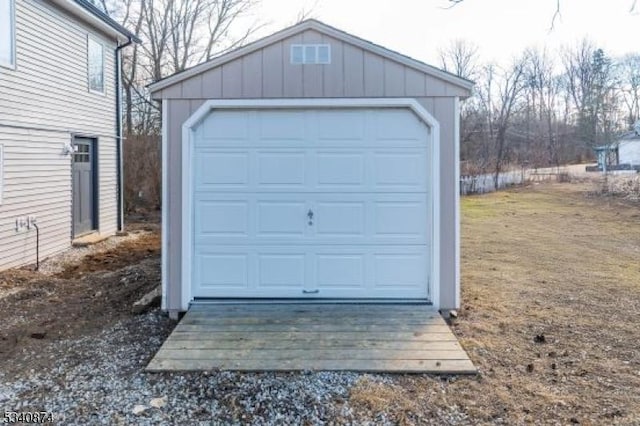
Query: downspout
{"points": [[119, 134]]}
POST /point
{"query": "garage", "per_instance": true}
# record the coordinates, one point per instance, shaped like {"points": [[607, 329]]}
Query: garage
{"points": [[311, 203], [310, 166]]}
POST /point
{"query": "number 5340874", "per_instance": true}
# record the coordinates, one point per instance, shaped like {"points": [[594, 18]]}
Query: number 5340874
{"points": [[13, 417]]}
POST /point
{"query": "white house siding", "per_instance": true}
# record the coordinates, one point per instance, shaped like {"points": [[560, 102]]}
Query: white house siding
{"points": [[43, 102], [629, 152], [36, 182]]}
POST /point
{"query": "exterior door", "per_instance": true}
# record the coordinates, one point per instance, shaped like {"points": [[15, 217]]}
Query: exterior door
{"points": [[84, 196], [311, 204]]}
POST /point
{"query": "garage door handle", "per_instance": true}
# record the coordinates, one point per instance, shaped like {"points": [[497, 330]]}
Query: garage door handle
{"points": [[311, 291]]}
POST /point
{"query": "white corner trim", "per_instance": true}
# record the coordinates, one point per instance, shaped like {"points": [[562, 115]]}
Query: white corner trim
{"points": [[188, 131], [456, 224], [165, 205]]}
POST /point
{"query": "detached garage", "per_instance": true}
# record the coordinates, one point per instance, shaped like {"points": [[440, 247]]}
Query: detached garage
{"points": [[311, 165]]}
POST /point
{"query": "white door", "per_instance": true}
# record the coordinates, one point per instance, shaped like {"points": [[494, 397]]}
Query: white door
{"points": [[311, 204]]}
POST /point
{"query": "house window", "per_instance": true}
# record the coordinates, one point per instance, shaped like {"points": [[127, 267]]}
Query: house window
{"points": [[96, 65], [7, 33], [310, 54]]}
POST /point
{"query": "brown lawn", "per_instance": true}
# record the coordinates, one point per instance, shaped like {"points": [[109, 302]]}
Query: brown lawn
{"points": [[550, 315]]}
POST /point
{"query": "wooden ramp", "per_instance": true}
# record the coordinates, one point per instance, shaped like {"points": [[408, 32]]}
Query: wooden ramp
{"points": [[288, 337]]}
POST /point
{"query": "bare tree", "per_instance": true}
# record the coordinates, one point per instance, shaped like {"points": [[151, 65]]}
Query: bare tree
{"points": [[460, 57], [629, 77], [307, 12], [542, 90], [177, 34], [500, 95]]}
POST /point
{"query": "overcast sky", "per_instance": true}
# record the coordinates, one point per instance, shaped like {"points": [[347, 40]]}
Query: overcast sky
{"points": [[501, 28]]}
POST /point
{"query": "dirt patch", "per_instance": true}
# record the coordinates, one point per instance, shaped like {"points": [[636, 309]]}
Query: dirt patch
{"points": [[128, 253], [86, 297]]}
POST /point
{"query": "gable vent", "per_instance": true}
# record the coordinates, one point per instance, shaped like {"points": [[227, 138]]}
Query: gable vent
{"points": [[310, 54]]}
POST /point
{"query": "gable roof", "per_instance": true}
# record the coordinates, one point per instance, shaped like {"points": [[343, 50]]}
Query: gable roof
{"points": [[312, 24], [91, 14]]}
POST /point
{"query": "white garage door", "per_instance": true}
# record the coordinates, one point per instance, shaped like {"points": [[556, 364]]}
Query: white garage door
{"points": [[311, 204]]}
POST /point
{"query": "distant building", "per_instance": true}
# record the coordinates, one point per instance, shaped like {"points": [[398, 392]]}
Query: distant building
{"points": [[623, 154]]}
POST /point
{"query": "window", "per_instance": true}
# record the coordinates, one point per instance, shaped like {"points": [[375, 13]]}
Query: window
{"points": [[81, 153], [310, 54], [96, 66], [7, 33]]}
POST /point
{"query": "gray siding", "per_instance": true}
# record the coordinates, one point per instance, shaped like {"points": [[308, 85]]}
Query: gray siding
{"points": [[353, 72], [443, 109], [43, 102]]}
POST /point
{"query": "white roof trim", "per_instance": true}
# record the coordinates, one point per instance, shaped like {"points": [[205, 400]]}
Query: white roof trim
{"points": [[324, 29], [76, 10]]}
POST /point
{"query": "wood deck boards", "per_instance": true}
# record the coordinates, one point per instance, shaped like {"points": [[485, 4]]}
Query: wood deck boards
{"points": [[338, 337]]}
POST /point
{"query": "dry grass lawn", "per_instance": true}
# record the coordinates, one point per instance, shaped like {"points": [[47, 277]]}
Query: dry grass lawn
{"points": [[551, 316]]}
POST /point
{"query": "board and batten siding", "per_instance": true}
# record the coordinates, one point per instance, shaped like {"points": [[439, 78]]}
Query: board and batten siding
{"points": [[268, 73], [43, 102], [179, 110], [354, 72]]}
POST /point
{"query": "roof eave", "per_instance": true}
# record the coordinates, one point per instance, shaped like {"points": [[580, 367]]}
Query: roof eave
{"points": [[96, 18]]}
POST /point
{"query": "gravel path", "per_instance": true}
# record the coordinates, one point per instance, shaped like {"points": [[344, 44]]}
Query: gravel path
{"points": [[100, 380]]}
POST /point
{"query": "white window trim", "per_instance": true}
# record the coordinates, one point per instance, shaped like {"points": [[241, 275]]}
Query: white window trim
{"points": [[304, 54], [188, 136], [12, 64], [104, 76]]}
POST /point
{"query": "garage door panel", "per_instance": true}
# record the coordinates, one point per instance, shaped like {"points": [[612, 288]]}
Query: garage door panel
{"points": [[281, 270], [222, 271], [340, 219], [340, 169], [222, 168], [400, 270], [281, 218], [224, 126], [397, 125], [398, 169], [285, 125], [222, 218], [281, 168], [340, 270], [324, 272], [401, 219], [340, 126]]}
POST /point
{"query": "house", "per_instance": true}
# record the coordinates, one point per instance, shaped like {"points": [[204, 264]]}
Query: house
{"points": [[623, 154], [311, 165], [60, 163]]}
